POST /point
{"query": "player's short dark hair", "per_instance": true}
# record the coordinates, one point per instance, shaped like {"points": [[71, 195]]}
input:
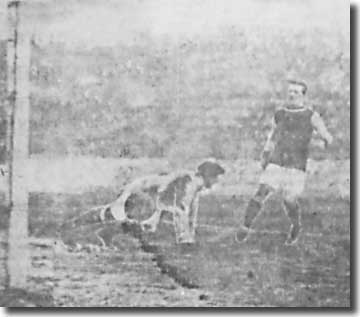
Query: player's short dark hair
{"points": [[210, 169], [300, 83]]}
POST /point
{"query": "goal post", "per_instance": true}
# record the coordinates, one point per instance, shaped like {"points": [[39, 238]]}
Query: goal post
{"points": [[18, 97]]}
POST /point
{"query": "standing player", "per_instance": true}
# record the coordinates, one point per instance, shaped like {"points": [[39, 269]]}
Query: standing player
{"points": [[284, 159]]}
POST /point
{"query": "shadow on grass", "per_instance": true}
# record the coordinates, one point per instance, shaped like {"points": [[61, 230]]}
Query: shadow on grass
{"points": [[172, 271]]}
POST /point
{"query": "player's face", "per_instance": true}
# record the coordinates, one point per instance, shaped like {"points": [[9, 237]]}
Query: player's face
{"points": [[210, 181], [295, 95]]}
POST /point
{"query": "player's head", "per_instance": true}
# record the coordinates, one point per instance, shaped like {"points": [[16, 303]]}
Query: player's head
{"points": [[210, 172], [296, 92]]}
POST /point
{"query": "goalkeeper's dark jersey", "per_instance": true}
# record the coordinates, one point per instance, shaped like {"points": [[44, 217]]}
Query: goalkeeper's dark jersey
{"points": [[291, 137]]}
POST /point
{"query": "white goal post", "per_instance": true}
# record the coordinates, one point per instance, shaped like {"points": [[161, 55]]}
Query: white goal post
{"points": [[18, 62]]}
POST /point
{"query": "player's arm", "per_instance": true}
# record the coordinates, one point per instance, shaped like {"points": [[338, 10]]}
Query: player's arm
{"points": [[269, 146], [319, 125]]}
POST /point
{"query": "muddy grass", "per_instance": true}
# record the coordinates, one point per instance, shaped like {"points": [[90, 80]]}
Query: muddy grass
{"points": [[138, 269], [150, 270]]}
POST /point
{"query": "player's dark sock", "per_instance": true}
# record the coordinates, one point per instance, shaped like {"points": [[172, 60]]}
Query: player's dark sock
{"points": [[251, 212], [293, 234], [241, 234], [293, 212]]}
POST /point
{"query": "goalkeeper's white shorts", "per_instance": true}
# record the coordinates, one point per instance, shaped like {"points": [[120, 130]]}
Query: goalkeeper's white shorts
{"points": [[289, 181]]}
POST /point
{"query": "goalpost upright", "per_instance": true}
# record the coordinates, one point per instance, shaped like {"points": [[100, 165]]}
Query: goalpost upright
{"points": [[18, 60]]}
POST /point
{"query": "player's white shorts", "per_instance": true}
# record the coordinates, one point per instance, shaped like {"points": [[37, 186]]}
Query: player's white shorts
{"points": [[289, 181]]}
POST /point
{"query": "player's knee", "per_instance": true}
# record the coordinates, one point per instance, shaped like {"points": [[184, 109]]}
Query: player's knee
{"points": [[291, 201], [262, 192]]}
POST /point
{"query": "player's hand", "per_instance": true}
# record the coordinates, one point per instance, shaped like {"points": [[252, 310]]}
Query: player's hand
{"points": [[320, 143], [265, 158], [328, 141]]}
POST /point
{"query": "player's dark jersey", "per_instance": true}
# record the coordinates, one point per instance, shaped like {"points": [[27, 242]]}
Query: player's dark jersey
{"points": [[291, 137]]}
